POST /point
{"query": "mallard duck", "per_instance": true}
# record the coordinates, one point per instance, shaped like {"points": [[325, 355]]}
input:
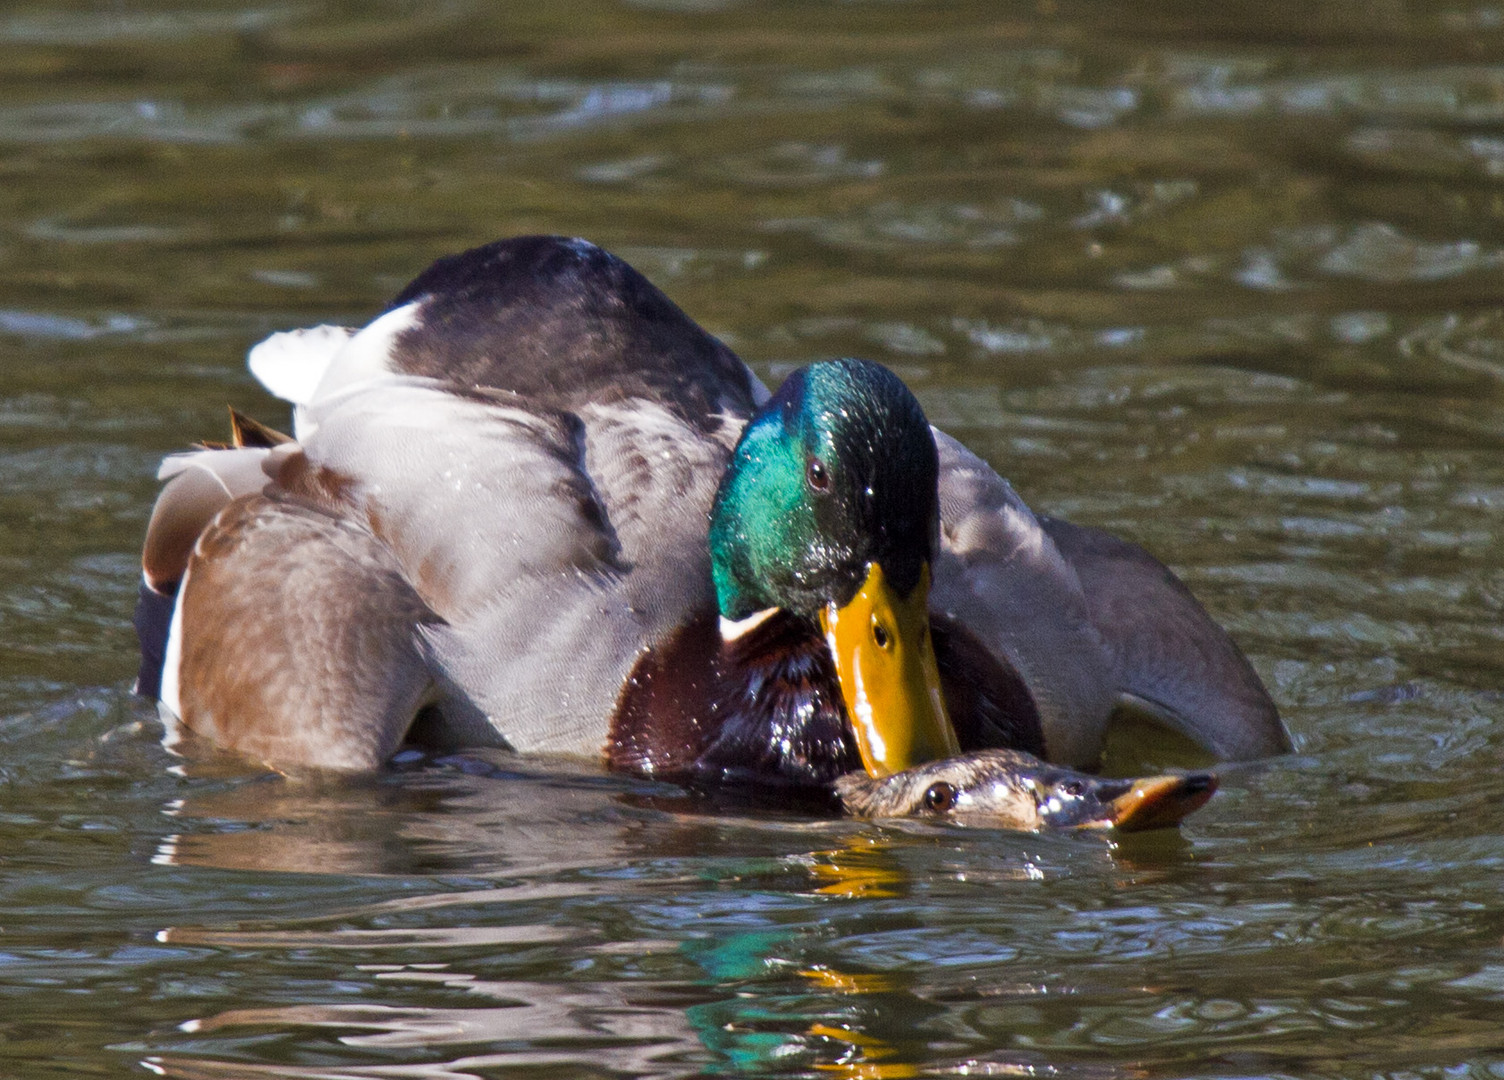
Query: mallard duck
{"points": [[534, 505], [1003, 788]]}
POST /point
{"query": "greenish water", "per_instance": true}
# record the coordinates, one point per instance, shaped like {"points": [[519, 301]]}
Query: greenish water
{"points": [[1225, 279]]}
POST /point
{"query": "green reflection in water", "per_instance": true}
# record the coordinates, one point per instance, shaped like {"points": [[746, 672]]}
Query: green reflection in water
{"points": [[1223, 279]]}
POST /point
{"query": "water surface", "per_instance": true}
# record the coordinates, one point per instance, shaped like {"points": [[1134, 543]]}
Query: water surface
{"points": [[1224, 279]]}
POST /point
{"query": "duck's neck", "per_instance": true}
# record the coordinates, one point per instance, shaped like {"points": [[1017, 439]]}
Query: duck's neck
{"points": [[760, 708], [781, 717]]}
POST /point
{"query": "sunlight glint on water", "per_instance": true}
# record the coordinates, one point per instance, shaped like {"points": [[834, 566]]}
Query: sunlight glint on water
{"points": [[1222, 279]]}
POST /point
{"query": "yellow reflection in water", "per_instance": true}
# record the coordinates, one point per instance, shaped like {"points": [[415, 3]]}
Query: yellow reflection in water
{"points": [[859, 869], [862, 1059], [829, 979]]}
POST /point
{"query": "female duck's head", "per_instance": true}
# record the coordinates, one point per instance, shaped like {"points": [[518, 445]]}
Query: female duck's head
{"points": [[829, 511]]}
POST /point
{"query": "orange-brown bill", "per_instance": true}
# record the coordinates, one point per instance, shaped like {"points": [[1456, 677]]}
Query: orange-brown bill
{"points": [[1157, 802]]}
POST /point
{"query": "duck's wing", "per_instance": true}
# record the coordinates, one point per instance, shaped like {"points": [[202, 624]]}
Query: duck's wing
{"points": [[295, 640], [507, 563], [277, 631], [548, 657], [197, 485], [1003, 595], [469, 490], [556, 547], [1170, 661]]}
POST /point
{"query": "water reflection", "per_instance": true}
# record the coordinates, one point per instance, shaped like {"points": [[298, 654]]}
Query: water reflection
{"points": [[618, 1027], [1221, 278], [731, 971], [526, 823], [622, 939]]}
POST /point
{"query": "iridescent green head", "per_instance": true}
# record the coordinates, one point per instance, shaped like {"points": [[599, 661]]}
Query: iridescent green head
{"points": [[836, 471], [829, 510]]}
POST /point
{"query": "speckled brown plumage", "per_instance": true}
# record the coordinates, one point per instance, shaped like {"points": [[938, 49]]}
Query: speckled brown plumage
{"points": [[332, 683]]}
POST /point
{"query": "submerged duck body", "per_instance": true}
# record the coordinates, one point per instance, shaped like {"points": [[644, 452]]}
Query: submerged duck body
{"points": [[1006, 789], [533, 504]]}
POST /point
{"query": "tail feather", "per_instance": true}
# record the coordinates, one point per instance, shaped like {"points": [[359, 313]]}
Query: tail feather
{"points": [[153, 621], [249, 432]]}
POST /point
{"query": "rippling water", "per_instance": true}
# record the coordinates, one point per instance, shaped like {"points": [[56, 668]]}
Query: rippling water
{"points": [[1225, 279]]}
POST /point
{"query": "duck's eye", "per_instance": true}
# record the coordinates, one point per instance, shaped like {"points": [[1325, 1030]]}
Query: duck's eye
{"points": [[1073, 788], [880, 635], [817, 475], [939, 797]]}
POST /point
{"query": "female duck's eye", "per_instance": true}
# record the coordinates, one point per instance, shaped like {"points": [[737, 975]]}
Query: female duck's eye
{"points": [[880, 636], [817, 475], [939, 798], [1073, 788]]}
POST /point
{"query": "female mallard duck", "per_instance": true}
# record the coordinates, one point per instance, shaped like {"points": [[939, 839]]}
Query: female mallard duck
{"points": [[534, 504], [1016, 791]]}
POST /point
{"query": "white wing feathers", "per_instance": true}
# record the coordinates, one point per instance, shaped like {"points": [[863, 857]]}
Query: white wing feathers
{"points": [[308, 366], [291, 364]]}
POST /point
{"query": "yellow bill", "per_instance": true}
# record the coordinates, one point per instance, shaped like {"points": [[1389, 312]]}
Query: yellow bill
{"points": [[889, 678]]}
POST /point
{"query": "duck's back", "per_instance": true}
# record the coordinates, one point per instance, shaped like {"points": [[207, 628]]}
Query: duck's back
{"points": [[563, 323]]}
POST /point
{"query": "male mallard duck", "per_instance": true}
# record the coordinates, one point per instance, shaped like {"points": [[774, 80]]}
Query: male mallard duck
{"points": [[534, 504]]}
